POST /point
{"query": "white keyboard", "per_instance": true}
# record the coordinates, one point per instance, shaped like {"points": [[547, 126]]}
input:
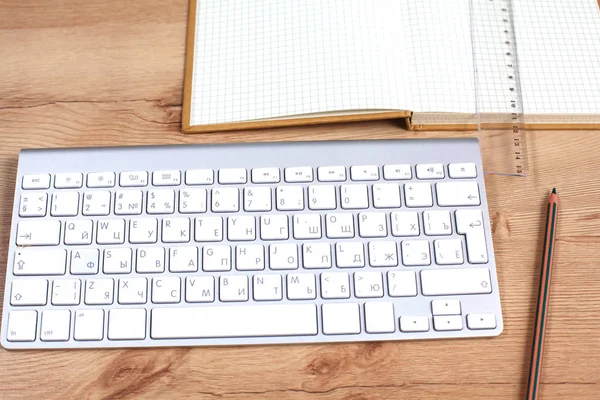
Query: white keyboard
{"points": [[250, 244]]}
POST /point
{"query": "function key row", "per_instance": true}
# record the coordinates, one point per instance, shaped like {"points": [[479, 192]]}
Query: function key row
{"points": [[239, 176]]}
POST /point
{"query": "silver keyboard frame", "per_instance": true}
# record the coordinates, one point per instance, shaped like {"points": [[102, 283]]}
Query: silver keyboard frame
{"points": [[254, 155]]}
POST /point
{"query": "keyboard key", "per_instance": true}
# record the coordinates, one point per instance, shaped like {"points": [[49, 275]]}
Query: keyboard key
{"points": [[37, 181], [66, 292], [234, 321], [458, 194], [99, 291], [364, 173], [257, 199], [349, 255], [307, 226], [405, 223], [84, 261], [437, 222], [448, 251], [64, 204], [110, 231], [290, 198], [166, 178], [133, 290], [68, 181], [128, 202], [56, 325], [414, 323], [79, 231], [397, 172], [40, 262], [430, 171], [225, 199], [208, 229], [192, 201], [150, 260], [418, 194], [283, 256], [470, 223], [445, 307], [127, 324], [372, 224], [200, 289], [33, 204], [232, 176], [274, 227], [183, 259], [321, 197], [301, 287], [29, 292], [101, 179], [175, 230], [96, 203], [143, 230], [335, 285], [250, 258], [117, 260], [379, 317], [368, 284], [166, 290], [38, 232], [415, 252], [298, 174], [386, 195], [331, 174], [233, 288], [463, 170], [267, 287], [199, 177], [339, 225], [341, 318], [445, 282], [161, 201], [216, 258], [21, 326], [265, 175], [447, 322], [481, 321], [241, 227], [383, 254], [89, 324], [402, 283], [354, 197], [317, 255], [133, 178]]}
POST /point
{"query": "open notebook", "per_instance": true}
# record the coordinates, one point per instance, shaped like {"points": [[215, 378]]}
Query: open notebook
{"points": [[264, 63]]}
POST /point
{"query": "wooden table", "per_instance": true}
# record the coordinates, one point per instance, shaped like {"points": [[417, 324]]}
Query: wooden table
{"points": [[93, 73]]}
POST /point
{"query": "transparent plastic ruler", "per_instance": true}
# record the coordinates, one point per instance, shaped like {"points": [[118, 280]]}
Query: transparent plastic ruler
{"points": [[500, 112]]}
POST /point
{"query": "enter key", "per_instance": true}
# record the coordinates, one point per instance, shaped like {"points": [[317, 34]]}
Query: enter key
{"points": [[470, 224]]}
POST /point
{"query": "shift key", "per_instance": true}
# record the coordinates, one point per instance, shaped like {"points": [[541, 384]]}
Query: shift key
{"points": [[443, 282]]}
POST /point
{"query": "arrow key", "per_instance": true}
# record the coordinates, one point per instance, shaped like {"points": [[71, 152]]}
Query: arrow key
{"points": [[481, 321], [445, 307], [447, 323], [418, 323]]}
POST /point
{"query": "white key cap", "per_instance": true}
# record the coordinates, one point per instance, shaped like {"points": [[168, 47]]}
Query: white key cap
{"points": [[225, 199], [265, 175], [21, 326], [36, 181], [117, 261], [349, 254], [89, 324], [127, 324], [99, 291], [339, 225], [448, 252], [183, 259], [481, 321], [200, 289], [232, 176], [250, 258], [216, 258], [166, 290], [79, 231], [234, 321], [447, 322], [364, 173], [307, 226], [33, 204], [372, 224], [298, 174], [418, 194], [383, 254], [396, 172], [354, 197], [341, 318], [161, 201], [133, 178], [29, 292], [462, 170], [68, 180], [267, 287], [274, 227], [317, 255], [101, 179], [85, 261], [289, 198], [96, 203], [430, 171], [443, 282], [233, 288], [199, 177], [386, 195], [379, 317], [38, 232], [335, 285], [257, 199], [283, 256], [445, 307], [143, 230], [150, 260], [208, 229], [56, 325], [402, 283], [66, 292], [321, 197], [405, 223], [331, 174], [132, 290], [192, 201], [176, 230], [415, 252], [458, 194], [301, 287], [128, 202], [241, 227], [414, 323], [110, 231], [437, 222], [39, 261], [166, 178], [470, 223], [368, 284]]}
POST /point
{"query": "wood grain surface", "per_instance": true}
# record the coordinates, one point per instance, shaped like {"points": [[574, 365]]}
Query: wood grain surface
{"points": [[97, 73]]}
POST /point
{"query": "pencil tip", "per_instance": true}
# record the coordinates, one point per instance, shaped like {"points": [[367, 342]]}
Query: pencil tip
{"points": [[554, 190]]}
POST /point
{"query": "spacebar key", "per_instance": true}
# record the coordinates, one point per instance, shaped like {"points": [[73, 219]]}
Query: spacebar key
{"points": [[442, 282], [234, 321]]}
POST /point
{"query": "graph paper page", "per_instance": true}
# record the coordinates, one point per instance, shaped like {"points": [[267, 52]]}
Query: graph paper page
{"points": [[267, 58]]}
